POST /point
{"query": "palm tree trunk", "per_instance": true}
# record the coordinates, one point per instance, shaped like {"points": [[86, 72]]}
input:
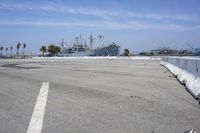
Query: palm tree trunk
{"points": [[23, 51]]}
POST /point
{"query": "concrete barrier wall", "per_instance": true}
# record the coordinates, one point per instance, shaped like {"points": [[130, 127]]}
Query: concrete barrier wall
{"points": [[187, 71]]}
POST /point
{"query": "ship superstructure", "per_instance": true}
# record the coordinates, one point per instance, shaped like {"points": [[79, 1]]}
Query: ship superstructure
{"points": [[81, 48]]}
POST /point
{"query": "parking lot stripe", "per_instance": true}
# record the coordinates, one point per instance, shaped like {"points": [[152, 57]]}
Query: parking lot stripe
{"points": [[36, 122]]}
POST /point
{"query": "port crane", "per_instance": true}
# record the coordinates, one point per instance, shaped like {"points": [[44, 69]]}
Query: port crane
{"points": [[195, 51]]}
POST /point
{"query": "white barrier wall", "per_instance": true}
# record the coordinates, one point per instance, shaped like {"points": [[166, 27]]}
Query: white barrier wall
{"points": [[187, 71]]}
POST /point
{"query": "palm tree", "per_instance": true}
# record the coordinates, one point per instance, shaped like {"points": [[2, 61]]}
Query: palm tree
{"points": [[1, 50], [11, 48], [43, 49], [18, 46], [24, 46], [6, 51], [53, 50], [126, 52]]}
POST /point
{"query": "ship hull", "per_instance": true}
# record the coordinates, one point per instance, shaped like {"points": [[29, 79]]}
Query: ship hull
{"points": [[110, 50], [77, 54]]}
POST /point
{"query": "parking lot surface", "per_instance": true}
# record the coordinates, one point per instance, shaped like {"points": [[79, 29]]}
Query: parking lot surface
{"points": [[94, 96]]}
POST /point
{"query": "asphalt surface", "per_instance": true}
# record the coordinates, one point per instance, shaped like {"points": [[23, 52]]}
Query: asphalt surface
{"points": [[95, 96]]}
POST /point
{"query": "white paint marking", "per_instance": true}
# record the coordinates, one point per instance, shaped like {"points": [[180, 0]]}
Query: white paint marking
{"points": [[36, 122]]}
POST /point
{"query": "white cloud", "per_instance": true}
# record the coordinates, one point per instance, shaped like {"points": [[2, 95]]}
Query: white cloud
{"points": [[57, 8], [161, 16], [106, 14], [131, 25], [108, 20]]}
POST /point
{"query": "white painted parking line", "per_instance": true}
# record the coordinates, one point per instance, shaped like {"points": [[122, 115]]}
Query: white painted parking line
{"points": [[36, 122]]}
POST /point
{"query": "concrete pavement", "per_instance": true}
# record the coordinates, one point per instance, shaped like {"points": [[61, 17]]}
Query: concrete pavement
{"points": [[95, 96]]}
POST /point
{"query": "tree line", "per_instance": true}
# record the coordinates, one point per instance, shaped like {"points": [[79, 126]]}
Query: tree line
{"points": [[53, 50], [6, 49]]}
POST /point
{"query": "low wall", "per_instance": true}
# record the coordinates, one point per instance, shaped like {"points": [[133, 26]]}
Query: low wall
{"points": [[187, 71]]}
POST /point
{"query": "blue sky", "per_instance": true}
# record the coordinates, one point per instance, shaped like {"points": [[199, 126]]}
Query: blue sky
{"points": [[135, 24]]}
